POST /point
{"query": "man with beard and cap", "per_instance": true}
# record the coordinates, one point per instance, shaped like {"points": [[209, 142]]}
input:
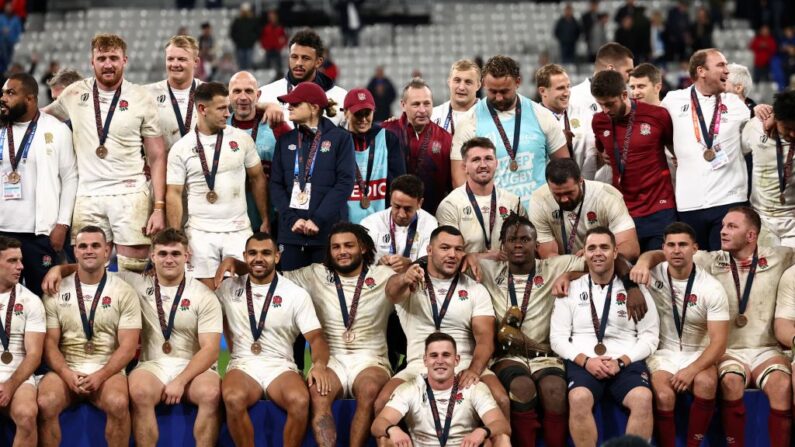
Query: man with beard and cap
{"points": [[565, 208], [111, 117], [379, 159], [425, 145], [603, 350], [180, 338], [692, 339], [175, 95], [264, 312], [438, 392], [772, 184], [217, 224], [633, 135], [93, 327], [520, 289], [479, 207], [711, 171], [528, 134], [306, 57], [39, 179], [750, 276], [435, 296], [22, 339], [402, 232]]}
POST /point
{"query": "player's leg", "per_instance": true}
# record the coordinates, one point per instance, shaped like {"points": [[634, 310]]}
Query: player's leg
{"points": [[551, 383], [582, 425], [206, 250], [664, 403], [240, 391], [732, 379], [366, 387], [204, 391], [322, 420], [498, 393], [23, 412], [631, 387], [146, 391], [113, 399], [705, 389], [773, 376], [289, 392], [516, 378], [128, 215], [54, 396]]}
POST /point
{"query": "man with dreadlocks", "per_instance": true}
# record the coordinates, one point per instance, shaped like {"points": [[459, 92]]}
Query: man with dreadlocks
{"points": [[520, 290]]}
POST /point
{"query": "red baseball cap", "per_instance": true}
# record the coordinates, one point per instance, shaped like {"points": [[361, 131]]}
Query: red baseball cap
{"points": [[359, 99], [306, 92]]}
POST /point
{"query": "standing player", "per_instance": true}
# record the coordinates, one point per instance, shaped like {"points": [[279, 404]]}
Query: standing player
{"points": [[264, 312], [39, 180], [479, 207], [22, 337], [610, 56], [528, 133], [111, 117], [645, 84], [750, 276], [604, 351], [633, 135], [93, 325], [213, 162], [694, 327]]}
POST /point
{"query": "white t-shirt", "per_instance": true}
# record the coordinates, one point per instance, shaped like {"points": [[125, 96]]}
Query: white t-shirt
{"points": [[707, 302], [238, 153], [581, 98], [469, 300], [27, 316], [698, 186], [19, 216], [290, 314], [165, 110], [583, 142], [439, 116], [456, 210], [410, 399], [764, 178], [377, 225], [572, 332], [272, 91], [135, 118]]}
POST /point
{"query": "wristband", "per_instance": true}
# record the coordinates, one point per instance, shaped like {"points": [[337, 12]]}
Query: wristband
{"points": [[487, 430], [386, 431], [585, 363], [628, 283]]}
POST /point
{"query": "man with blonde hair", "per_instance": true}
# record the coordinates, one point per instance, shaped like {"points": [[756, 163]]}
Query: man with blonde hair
{"points": [[111, 117]]}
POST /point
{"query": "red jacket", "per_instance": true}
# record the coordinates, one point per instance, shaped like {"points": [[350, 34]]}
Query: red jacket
{"points": [[273, 37], [764, 48]]}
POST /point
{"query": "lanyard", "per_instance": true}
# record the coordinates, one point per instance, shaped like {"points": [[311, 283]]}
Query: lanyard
{"points": [[438, 314], [600, 326], [748, 282], [309, 166], [622, 154], [184, 127], [209, 175], [349, 317], [102, 129], [413, 163], [697, 115], [680, 323], [568, 243], [569, 134], [783, 166], [449, 121], [364, 184], [88, 321], [412, 231], [254, 128], [442, 432], [528, 288], [166, 328], [27, 140], [512, 149], [256, 327], [479, 214], [5, 334]]}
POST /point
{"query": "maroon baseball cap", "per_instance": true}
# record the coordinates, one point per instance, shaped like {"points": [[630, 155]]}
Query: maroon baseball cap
{"points": [[306, 92], [359, 99]]}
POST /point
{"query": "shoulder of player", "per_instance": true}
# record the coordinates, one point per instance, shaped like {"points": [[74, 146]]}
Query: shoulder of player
{"points": [[782, 254], [456, 195], [49, 123], [439, 134], [23, 293], [120, 285], [676, 95], [604, 190], [425, 219], [505, 195], [541, 196], [272, 90], [231, 133], [468, 283], [577, 287], [156, 88], [135, 89], [230, 286], [338, 94], [651, 111], [440, 111], [288, 287]]}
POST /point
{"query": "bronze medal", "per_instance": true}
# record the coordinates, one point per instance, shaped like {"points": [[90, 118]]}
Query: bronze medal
{"points": [[302, 198], [212, 196], [89, 347], [709, 154], [741, 320], [6, 357], [14, 177], [600, 348], [348, 336], [514, 166], [102, 152], [364, 203], [256, 348], [166, 347]]}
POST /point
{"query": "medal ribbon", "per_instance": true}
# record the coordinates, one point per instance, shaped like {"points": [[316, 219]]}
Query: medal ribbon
{"points": [[600, 326], [528, 288], [364, 184], [569, 135], [438, 314], [449, 121], [184, 127], [348, 318], [254, 128], [309, 165], [748, 282], [414, 163], [512, 149], [161, 315], [622, 154], [256, 327], [784, 167], [27, 139], [680, 324], [442, 432], [479, 215], [102, 129], [88, 322], [568, 243], [209, 176], [412, 231], [697, 115], [5, 334]]}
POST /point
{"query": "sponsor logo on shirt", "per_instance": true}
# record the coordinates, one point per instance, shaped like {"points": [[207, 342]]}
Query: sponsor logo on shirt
{"points": [[161, 98], [66, 297], [84, 97]]}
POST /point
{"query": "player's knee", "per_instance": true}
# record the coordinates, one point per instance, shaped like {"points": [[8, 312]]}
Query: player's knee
{"points": [[638, 401], [24, 416], [522, 389], [48, 404], [553, 394], [116, 404], [143, 396], [580, 401], [705, 384], [732, 383], [235, 399], [297, 402], [367, 391], [665, 398], [778, 389], [208, 396]]}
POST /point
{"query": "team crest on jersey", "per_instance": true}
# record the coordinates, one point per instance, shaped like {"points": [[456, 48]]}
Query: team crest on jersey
{"points": [[369, 282], [459, 398], [386, 238], [184, 304], [161, 99], [575, 123], [724, 109], [124, 105], [18, 309], [556, 214], [150, 290], [436, 147], [84, 97], [46, 261], [606, 133], [621, 299], [584, 296], [277, 301], [658, 284], [463, 295], [763, 139], [106, 302], [692, 300], [66, 297], [292, 147], [762, 263], [48, 139], [685, 107], [234, 146], [645, 129], [591, 216], [503, 212], [538, 281], [467, 210], [325, 146]]}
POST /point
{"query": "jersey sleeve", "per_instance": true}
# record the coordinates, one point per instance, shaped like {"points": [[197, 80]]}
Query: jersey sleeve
{"points": [[446, 213], [210, 318], [402, 398], [481, 302], [130, 307], [785, 298], [482, 400], [539, 218], [176, 173], [305, 317], [51, 311], [150, 125], [464, 130], [619, 217], [35, 319], [718, 302], [549, 125], [251, 157]]}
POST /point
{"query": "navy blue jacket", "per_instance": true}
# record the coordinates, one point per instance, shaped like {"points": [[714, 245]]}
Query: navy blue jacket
{"points": [[332, 182]]}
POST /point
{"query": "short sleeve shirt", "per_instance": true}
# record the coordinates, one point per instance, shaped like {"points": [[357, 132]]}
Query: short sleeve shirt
{"points": [[765, 192], [165, 110], [378, 225], [27, 316]]}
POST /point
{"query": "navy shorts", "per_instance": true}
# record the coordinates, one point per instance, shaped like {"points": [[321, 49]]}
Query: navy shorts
{"points": [[634, 375], [650, 228]]}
